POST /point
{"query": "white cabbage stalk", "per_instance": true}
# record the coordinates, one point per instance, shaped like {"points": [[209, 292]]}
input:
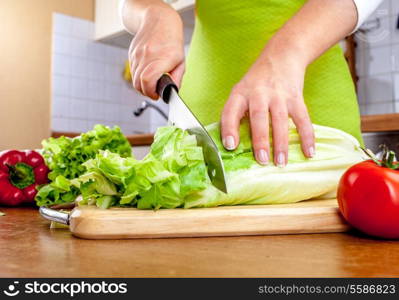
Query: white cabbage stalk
{"points": [[301, 179]]}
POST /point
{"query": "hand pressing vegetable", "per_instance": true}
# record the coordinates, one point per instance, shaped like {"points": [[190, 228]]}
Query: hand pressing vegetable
{"points": [[20, 173], [368, 196]]}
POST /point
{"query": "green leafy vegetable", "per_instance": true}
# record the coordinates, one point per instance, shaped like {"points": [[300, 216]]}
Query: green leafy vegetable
{"points": [[174, 174], [66, 157], [172, 170], [302, 178], [58, 191]]}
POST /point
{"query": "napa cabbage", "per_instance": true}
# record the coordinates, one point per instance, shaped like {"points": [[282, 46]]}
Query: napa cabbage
{"points": [[174, 173]]}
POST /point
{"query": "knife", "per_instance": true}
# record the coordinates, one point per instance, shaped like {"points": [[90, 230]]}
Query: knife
{"points": [[183, 118]]}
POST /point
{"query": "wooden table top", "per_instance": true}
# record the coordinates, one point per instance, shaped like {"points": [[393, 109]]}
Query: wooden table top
{"points": [[28, 248]]}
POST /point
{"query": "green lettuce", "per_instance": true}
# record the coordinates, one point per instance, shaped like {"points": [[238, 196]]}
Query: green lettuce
{"points": [[65, 158], [173, 170], [59, 191], [174, 173]]}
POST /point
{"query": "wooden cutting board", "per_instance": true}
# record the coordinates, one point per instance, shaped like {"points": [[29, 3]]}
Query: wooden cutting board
{"points": [[316, 216]]}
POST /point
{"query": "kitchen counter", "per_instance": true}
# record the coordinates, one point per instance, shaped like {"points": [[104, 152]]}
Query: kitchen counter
{"points": [[28, 248], [377, 123]]}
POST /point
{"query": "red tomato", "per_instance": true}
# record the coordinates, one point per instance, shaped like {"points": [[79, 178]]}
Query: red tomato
{"points": [[368, 197]]}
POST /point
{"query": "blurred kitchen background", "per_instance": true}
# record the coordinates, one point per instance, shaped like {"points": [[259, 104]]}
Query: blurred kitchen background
{"points": [[377, 61], [88, 62], [62, 66]]}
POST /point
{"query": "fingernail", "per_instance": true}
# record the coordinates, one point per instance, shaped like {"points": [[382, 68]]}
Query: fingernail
{"points": [[280, 160], [311, 151], [262, 157], [229, 143]]}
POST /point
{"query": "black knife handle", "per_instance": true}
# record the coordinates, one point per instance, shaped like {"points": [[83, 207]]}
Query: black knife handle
{"points": [[164, 84]]}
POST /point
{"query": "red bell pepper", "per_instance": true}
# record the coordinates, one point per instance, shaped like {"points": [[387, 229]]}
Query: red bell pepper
{"points": [[20, 173]]}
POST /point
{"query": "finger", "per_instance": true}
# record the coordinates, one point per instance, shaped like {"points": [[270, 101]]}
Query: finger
{"points": [[134, 60], [279, 116], [136, 78], [233, 112], [259, 120], [177, 74], [151, 74], [131, 48], [136, 65], [301, 118], [133, 70], [141, 58]]}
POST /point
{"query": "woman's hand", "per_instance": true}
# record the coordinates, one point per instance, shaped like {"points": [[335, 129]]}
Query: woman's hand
{"points": [[272, 87], [274, 84], [157, 48]]}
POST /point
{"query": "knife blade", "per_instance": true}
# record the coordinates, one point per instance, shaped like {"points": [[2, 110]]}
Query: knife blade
{"points": [[182, 117]]}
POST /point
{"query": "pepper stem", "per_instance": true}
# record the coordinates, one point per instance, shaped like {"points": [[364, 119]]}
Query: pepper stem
{"points": [[21, 175]]}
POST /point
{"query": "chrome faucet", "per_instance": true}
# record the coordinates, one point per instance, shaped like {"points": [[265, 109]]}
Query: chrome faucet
{"points": [[146, 104]]}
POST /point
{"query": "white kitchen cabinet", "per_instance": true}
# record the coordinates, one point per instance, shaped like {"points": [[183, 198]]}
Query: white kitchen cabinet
{"points": [[181, 5], [107, 20], [109, 28]]}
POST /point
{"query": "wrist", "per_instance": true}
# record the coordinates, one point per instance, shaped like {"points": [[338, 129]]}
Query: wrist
{"points": [[165, 17], [287, 52], [162, 12]]}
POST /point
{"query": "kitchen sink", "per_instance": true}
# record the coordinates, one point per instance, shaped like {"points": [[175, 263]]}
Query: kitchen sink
{"points": [[373, 140]]}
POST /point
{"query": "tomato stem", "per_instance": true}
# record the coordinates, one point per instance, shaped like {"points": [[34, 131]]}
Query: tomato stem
{"points": [[388, 159]]}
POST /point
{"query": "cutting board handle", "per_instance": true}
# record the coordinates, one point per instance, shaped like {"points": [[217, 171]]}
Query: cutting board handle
{"points": [[54, 215], [164, 84]]}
